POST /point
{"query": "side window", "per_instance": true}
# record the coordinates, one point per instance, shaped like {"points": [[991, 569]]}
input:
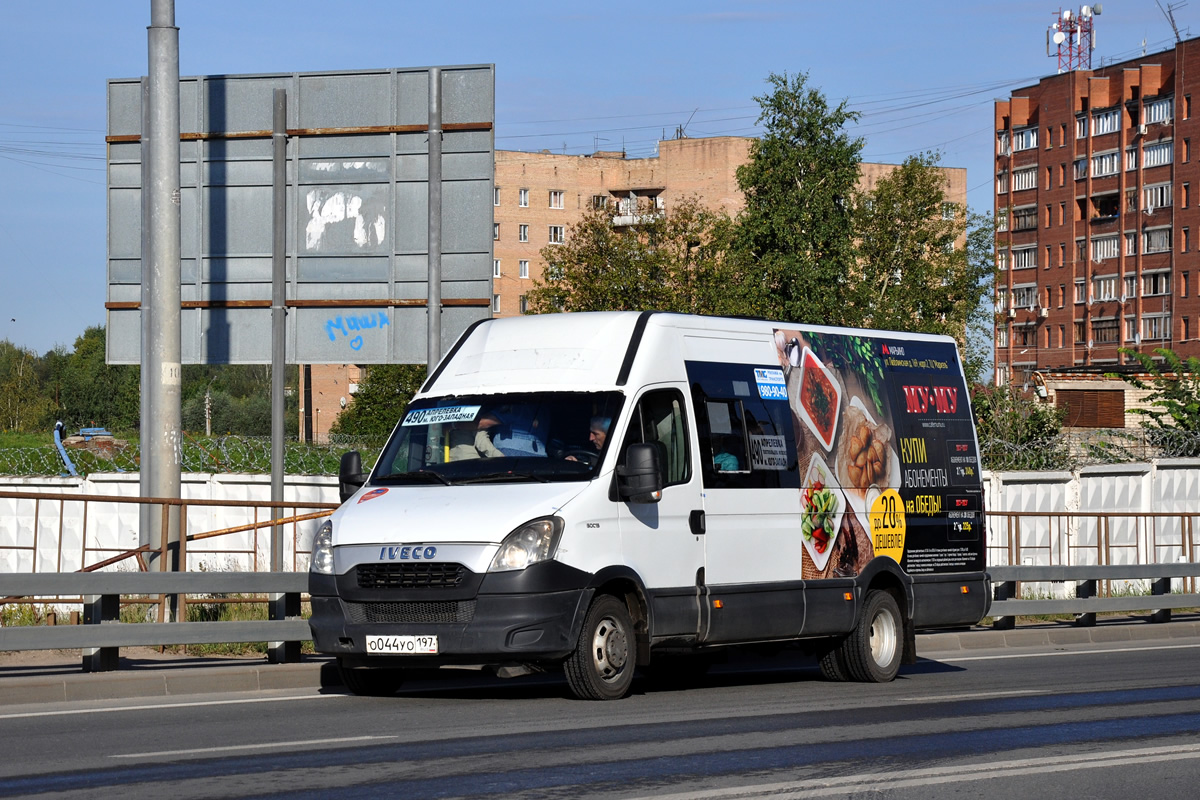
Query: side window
{"points": [[659, 419], [727, 435]]}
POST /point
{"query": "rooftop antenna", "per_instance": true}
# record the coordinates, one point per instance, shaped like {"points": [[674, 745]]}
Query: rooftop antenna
{"points": [[681, 131], [1073, 37], [1169, 13]]}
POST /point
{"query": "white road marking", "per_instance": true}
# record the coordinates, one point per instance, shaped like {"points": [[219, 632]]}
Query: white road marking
{"points": [[1066, 653], [959, 773], [147, 706], [259, 746]]}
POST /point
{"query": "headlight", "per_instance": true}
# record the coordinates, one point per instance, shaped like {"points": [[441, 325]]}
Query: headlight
{"points": [[322, 550], [532, 542]]}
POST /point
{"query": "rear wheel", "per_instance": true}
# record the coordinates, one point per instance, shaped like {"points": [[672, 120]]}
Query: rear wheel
{"points": [[371, 681], [872, 651], [833, 661], [601, 668]]}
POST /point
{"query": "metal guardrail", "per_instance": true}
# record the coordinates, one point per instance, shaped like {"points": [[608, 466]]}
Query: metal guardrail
{"points": [[102, 634], [1006, 580]]}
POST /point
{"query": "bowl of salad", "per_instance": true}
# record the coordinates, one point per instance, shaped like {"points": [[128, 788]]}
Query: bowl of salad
{"points": [[822, 506]]}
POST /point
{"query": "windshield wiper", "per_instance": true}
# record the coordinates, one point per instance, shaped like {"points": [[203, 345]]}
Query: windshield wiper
{"points": [[505, 476], [426, 475]]}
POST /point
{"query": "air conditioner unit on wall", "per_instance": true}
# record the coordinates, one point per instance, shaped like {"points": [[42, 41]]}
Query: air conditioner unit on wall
{"points": [[1142, 129], [1043, 312], [1012, 313]]}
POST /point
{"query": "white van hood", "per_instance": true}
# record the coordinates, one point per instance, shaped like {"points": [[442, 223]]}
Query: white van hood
{"points": [[477, 513]]}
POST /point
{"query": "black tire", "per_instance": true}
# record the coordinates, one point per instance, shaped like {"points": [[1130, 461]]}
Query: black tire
{"points": [[873, 650], [833, 661], [601, 668], [371, 681]]}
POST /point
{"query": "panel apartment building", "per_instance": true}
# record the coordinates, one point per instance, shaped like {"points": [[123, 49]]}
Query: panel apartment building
{"points": [[539, 196], [1095, 222]]}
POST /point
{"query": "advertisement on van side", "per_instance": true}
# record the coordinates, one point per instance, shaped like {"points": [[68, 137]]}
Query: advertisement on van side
{"points": [[885, 446]]}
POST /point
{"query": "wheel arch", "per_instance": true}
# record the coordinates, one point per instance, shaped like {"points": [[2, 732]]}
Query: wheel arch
{"points": [[626, 585], [883, 574]]}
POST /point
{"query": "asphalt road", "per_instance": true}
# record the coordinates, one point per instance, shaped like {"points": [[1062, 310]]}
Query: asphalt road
{"points": [[1083, 720]]}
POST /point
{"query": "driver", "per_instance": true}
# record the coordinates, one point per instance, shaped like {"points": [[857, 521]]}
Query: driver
{"points": [[597, 433]]}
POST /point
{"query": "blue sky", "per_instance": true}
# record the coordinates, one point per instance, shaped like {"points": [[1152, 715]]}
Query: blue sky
{"points": [[569, 76]]}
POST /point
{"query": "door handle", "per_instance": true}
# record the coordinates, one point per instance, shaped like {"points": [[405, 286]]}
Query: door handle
{"points": [[696, 522]]}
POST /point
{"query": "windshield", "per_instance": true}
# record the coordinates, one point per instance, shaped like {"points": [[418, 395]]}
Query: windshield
{"points": [[541, 437]]}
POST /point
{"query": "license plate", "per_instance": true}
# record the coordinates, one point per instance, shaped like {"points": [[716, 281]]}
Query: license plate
{"points": [[402, 645]]}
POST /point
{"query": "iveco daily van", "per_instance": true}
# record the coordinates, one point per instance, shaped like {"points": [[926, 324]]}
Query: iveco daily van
{"points": [[603, 491]]}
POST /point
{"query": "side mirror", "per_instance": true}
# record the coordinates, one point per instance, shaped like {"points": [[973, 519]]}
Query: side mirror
{"points": [[350, 475], [638, 479]]}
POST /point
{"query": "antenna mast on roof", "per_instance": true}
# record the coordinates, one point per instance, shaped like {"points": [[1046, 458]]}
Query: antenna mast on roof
{"points": [[1073, 37], [1169, 13]]}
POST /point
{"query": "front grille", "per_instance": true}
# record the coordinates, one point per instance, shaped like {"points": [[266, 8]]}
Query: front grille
{"points": [[432, 575], [422, 611]]}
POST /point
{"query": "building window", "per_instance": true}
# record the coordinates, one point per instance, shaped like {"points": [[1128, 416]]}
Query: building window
{"points": [[1062, 336], [1024, 296], [1080, 291], [1106, 331], [1105, 164], [1156, 241], [1002, 146], [1002, 336], [495, 195], [599, 201], [1183, 284], [556, 199], [523, 198], [1047, 256], [1104, 247], [495, 304], [524, 304], [1025, 257], [1186, 329], [1080, 168], [1104, 289], [524, 268], [1130, 328], [1062, 295], [1156, 283], [1079, 331], [1187, 106], [1001, 300], [1025, 336], [1183, 240], [1025, 179], [1156, 327], [1049, 178], [1049, 222], [1049, 137], [1024, 219], [496, 231], [1160, 110], [1025, 139], [1155, 155], [1081, 127], [1002, 219], [495, 268], [1001, 260], [1131, 158], [523, 233], [1001, 183], [1062, 174], [1157, 196], [1187, 194], [556, 234], [1106, 122], [1062, 214], [1131, 244], [1129, 291]]}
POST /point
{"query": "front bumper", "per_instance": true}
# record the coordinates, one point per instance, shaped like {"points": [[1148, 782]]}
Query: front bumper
{"points": [[533, 615]]}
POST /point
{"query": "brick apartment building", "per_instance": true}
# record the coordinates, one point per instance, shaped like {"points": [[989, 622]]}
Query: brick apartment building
{"points": [[1096, 219], [538, 196]]}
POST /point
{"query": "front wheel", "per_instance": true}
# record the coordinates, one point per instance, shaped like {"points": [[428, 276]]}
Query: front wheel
{"points": [[872, 651], [371, 681], [601, 668]]}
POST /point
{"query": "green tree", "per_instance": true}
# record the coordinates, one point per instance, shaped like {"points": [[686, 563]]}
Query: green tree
{"points": [[672, 260], [795, 234], [917, 268], [381, 398], [92, 392], [22, 406], [1172, 410]]}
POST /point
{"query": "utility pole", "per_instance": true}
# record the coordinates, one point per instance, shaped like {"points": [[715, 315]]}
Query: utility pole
{"points": [[161, 430]]}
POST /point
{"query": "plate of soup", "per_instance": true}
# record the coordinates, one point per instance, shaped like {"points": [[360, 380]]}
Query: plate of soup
{"points": [[820, 398]]}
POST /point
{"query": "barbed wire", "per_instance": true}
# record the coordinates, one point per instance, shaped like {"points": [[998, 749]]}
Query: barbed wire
{"points": [[222, 454], [1068, 450]]}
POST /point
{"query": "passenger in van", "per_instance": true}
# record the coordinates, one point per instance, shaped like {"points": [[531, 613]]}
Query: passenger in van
{"points": [[521, 434], [474, 441], [724, 460]]}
